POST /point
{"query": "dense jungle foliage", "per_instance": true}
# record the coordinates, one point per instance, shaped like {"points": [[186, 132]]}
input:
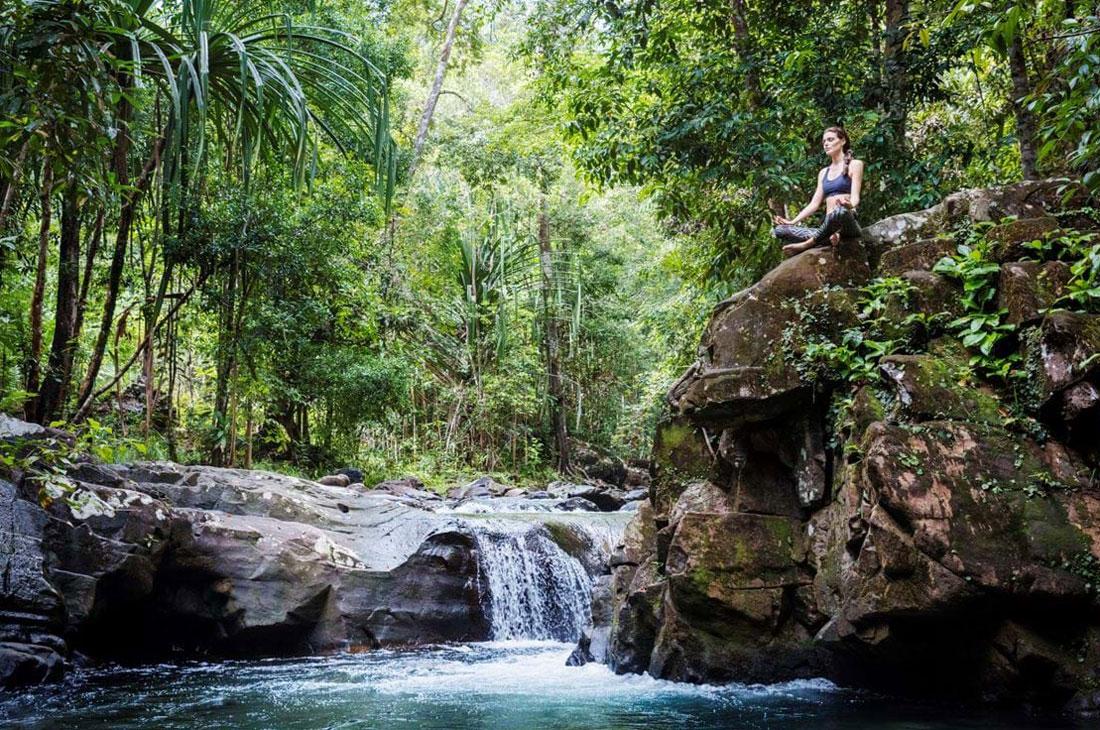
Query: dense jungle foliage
{"points": [[446, 237]]}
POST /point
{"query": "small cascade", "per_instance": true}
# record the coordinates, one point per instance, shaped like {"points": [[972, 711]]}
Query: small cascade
{"points": [[535, 589]]}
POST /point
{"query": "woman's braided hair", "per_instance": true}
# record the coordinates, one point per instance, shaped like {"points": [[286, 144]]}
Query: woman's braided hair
{"points": [[839, 132]]}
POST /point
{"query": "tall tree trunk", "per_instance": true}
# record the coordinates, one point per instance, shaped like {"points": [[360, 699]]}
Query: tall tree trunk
{"points": [[1025, 120], [118, 261], [60, 363], [894, 68], [30, 408], [89, 270], [437, 85], [7, 197], [744, 47], [553, 358], [227, 347]]}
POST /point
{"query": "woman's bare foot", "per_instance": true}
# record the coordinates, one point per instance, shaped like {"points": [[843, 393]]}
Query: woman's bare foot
{"points": [[795, 248], [834, 241]]}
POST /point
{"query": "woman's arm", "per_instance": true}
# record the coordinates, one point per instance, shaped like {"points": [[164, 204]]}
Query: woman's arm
{"points": [[814, 203], [855, 169]]}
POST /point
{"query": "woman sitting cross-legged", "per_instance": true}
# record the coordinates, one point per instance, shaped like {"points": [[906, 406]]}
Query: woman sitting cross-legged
{"points": [[838, 185]]}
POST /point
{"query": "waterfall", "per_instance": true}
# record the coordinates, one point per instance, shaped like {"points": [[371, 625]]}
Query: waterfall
{"points": [[535, 589]]}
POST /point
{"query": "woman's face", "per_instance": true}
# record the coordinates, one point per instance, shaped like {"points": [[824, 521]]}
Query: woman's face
{"points": [[831, 142]]}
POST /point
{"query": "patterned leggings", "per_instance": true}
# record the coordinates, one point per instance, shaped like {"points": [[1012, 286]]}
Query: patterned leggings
{"points": [[840, 219]]}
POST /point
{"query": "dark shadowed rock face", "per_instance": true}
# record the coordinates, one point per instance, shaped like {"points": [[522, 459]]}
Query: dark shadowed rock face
{"points": [[157, 559], [916, 542]]}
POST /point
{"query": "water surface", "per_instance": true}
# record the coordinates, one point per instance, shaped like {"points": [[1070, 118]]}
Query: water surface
{"points": [[515, 685]]}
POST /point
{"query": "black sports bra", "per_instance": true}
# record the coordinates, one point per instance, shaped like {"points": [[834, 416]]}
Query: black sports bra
{"points": [[839, 185]]}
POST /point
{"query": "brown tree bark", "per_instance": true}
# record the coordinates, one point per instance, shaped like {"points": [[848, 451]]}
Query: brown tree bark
{"points": [[553, 345], [226, 360], [118, 261], [894, 72], [743, 45], [1025, 120], [60, 363], [33, 370], [437, 85]]}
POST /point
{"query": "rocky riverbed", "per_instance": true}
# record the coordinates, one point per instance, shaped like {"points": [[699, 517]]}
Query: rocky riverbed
{"points": [[154, 560]]}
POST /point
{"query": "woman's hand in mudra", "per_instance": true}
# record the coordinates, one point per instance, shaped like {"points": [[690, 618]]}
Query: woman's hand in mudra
{"points": [[780, 220], [845, 200]]}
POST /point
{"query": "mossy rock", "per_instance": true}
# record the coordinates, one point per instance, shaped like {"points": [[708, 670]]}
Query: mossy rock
{"points": [[928, 387], [741, 376], [981, 501], [1059, 353], [919, 256], [1027, 288], [1007, 239], [680, 456]]}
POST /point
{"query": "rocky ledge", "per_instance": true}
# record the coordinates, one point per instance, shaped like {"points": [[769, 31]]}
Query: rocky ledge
{"points": [[916, 534], [155, 560]]}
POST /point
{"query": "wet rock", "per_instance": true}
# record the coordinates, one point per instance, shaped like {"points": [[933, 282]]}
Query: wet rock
{"points": [[635, 494], [577, 504], [28, 664], [540, 494], [483, 486], [582, 654], [607, 500]]}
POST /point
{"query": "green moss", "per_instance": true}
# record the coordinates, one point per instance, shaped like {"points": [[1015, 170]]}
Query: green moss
{"points": [[567, 538]]}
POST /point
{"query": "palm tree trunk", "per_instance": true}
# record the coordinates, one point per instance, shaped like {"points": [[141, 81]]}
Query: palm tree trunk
{"points": [[553, 345], [1025, 120], [60, 363], [437, 85], [30, 408]]}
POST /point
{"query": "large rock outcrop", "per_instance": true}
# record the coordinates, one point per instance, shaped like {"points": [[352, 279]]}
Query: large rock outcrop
{"points": [[156, 559], [911, 535]]}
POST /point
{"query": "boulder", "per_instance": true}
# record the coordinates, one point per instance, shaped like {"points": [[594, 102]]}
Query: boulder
{"points": [[484, 486], [636, 477], [1059, 353], [1007, 239], [741, 375], [153, 560], [918, 256], [914, 534], [928, 387], [354, 474], [578, 504], [598, 463], [28, 664], [1027, 288], [336, 480]]}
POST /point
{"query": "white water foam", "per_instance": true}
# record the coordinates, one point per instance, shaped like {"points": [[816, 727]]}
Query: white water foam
{"points": [[535, 589]]}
